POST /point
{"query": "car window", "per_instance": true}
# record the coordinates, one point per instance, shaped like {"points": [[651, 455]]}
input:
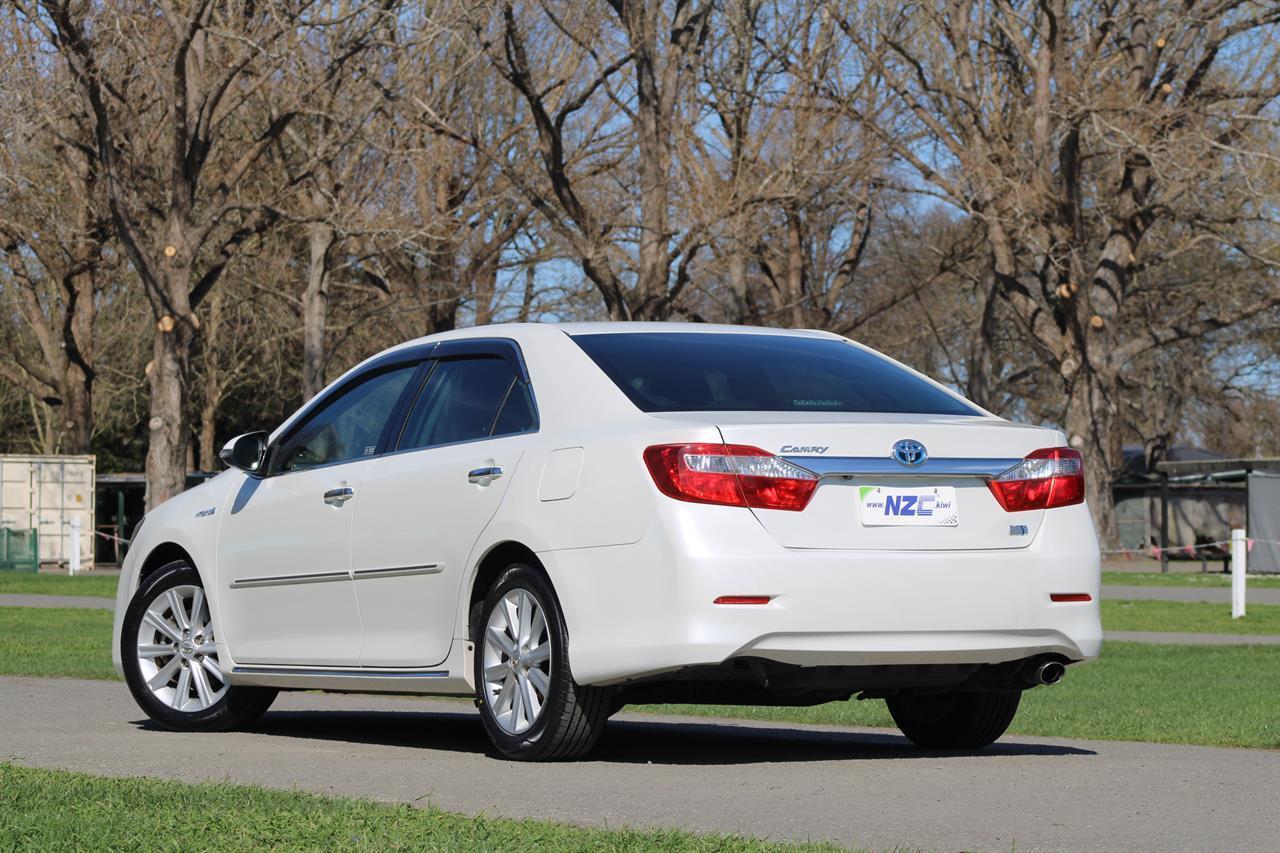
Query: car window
{"points": [[518, 413], [706, 372], [459, 402], [348, 427]]}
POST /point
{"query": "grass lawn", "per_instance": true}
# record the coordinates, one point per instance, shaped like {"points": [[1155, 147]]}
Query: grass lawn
{"points": [[58, 810], [1216, 695], [1191, 579], [65, 642], [1212, 695], [1194, 616], [25, 583]]}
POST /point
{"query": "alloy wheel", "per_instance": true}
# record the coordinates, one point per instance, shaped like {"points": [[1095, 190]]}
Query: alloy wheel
{"points": [[176, 653], [517, 661]]}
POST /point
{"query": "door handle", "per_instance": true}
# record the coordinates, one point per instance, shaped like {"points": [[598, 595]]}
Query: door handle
{"points": [[339, 495], [484, 476]]}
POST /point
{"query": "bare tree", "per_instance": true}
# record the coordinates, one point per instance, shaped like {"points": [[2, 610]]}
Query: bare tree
{"points": [[605, 91], [1069, 130], [336, 148], [186, 105], [449, 216], [53, 235]]}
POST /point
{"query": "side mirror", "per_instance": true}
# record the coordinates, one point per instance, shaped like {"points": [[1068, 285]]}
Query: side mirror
{"points": [[245, 452]]}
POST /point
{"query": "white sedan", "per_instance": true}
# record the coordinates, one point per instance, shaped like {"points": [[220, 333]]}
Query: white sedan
{"points": [[559, 520]]}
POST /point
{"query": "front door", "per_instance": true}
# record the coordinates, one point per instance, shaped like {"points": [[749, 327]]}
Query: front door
{"points": [[284, 558], [423, 507]]}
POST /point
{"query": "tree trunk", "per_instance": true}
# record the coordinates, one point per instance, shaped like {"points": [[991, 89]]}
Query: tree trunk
{"points": [[738, 270], [41, 414], [486, 287], [208, 434], [175, 332], [530, 288], [211, 344], [794, 297], [1091, 428], [652, 158], [315, 311], [78, 374], [978, 369], [167, 450], [77, 410]]}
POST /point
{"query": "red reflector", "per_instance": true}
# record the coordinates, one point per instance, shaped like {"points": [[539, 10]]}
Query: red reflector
{"points": [[743, 599], [1070, 596]]}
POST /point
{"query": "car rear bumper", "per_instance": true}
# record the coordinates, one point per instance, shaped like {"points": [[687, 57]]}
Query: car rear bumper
{"points": [[646, 608]]}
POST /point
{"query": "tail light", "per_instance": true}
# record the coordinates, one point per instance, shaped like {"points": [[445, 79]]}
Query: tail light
{"points": [[729, 475], [1045, 479]]}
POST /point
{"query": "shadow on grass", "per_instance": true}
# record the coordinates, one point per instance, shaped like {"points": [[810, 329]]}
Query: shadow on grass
{"points": [[627, 741]]}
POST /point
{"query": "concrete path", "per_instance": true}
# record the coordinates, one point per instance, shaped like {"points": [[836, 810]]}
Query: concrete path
{"points": [[1214, 594], [1194, 639], [779, 781], [88, 602]]}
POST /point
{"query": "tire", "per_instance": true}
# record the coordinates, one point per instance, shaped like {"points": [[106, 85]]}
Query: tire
{"points": [[531, 707], [193, 697], [954, 721]]}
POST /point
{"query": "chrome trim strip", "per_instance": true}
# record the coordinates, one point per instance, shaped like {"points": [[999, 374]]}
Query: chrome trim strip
{"points": [[328, 673], [398, 571], [876, 466], [286, 580]]}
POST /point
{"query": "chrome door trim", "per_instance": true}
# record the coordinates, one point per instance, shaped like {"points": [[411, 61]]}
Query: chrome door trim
{"points": [[876, 466], [328, 673], [398, 571], [286, 580]]}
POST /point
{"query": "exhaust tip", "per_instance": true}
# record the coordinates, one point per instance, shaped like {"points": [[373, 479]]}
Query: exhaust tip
{"points": [[1049, 672]]}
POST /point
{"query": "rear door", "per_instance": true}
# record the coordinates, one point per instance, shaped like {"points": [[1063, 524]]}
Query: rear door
{"points": [[423, 507]]}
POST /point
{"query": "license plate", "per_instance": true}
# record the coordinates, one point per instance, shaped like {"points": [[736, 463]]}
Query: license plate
{"points": [[928, 506]]}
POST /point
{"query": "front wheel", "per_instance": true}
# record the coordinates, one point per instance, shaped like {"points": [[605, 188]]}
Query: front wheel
{"points": [[954, 720], [171, 659], [531, 707]]}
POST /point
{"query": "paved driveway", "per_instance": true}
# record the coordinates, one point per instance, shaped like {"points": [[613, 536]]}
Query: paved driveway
{"points": [[777, 781], [1214, 594]]}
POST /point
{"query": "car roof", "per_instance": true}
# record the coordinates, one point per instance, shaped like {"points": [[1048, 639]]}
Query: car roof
{"points": [[524, 331]]}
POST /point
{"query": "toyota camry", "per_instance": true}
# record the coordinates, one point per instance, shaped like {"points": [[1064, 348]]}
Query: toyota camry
{"points": [[559, 520]]}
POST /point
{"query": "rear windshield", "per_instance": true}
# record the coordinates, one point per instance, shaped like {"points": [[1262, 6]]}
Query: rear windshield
{"points": [[710, 372]]}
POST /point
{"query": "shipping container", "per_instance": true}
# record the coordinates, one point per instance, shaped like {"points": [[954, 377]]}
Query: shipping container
{"points": [[45, 494]]}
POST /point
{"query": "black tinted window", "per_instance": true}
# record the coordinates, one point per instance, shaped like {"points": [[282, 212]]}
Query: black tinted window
{"points": [[458, 403], [703, 371], [347, 427], [518, 413]]}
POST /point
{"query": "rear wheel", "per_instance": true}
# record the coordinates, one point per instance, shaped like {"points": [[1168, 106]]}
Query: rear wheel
{"points": [[955, 720], [531, 707], [170, 657]]}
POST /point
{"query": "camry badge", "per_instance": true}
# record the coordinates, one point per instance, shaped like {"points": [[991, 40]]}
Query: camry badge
{"points": [[910, 452]]}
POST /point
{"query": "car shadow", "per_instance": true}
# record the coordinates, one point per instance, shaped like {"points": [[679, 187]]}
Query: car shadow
{"points": [[629, 741]]}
